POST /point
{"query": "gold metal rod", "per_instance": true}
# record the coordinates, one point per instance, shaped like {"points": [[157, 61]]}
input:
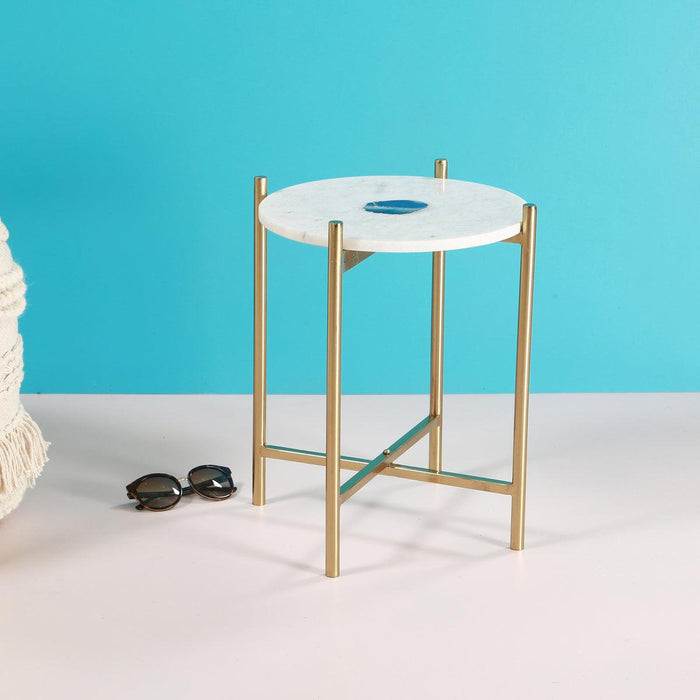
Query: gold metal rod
{"points": [[259, 345], [437, 334], [440, 168], [405, 442], [403, 471], [335, 299], [367, 476], [448, 478], [522, 376], [291, 454]]}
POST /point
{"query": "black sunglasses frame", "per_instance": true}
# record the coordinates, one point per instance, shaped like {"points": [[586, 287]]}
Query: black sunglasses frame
{"points": [[132, 488]]}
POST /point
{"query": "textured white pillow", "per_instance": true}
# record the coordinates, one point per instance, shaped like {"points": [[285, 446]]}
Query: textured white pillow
{"points": [[22, 448]]}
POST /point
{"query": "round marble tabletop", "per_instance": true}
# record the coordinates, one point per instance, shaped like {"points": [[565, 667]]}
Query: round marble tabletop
{"points": [[394, 214]]}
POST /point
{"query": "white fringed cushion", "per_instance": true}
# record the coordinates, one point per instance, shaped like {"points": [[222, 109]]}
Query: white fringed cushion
{"points": [[22, 448]]}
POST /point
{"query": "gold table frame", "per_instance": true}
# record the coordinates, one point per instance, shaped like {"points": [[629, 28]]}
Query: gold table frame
{"points": [[340, 261]]}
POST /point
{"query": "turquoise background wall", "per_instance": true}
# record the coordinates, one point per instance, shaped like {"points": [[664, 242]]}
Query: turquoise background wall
{"points": [[130, 133]]}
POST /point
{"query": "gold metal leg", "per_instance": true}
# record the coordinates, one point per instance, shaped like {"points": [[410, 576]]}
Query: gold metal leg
{"points": [[335, 299], [437, 333], [522, 376], [432, 425], [259, 347]]}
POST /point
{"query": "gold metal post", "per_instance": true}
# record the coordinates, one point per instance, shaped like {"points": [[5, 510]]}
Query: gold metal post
{"points": [[385, 457], [441, 168], [403, 471], [385, 463], [522, 376], [437, 332], [259, 346], [335, 298]]}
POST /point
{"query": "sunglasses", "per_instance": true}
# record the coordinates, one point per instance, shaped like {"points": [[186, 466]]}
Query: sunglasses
{"points": [[163, 491]]}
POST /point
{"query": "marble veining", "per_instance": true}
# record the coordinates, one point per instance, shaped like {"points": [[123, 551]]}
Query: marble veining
{"points": [[457, 214]]}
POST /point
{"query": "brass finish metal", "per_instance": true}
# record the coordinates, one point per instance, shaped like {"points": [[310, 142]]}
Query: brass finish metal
{"points": [[259, 345], [340, 261], [404, 471], [363, 477], [441, 168], [466, 481], [437, 334], [293, 454], [335, 298], [405, 442], [354, 257], [522, 376]]}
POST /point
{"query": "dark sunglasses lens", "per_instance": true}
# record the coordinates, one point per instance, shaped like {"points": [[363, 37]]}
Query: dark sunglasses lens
{"points": [[211, 482], [158, 492]]}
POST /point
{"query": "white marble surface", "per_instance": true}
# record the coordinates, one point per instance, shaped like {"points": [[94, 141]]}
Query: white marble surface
{"points": [[459, 214]]}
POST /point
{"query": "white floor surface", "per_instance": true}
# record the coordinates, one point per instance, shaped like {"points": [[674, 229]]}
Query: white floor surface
{"points": [[228, 600]]}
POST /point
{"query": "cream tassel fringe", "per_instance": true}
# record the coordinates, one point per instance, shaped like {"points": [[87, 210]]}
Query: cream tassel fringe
{"points": [[22, 453], [22, 448]]}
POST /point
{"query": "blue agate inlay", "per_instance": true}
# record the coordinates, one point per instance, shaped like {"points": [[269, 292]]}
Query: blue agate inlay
{"points": [[395, 206]]}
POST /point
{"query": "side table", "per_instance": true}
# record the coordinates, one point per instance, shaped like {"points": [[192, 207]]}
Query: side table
{"points": [[355, 217]]}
